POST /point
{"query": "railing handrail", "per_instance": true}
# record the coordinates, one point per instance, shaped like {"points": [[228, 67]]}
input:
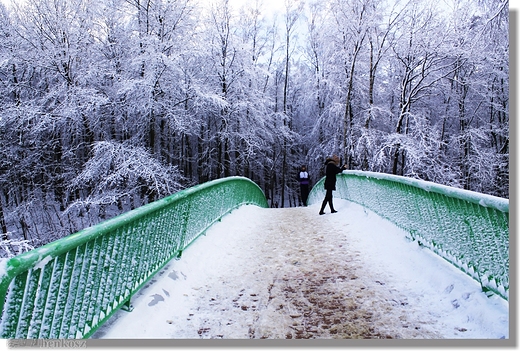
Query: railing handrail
{"points": [[468, 229], [486, 200], [30, 258], [224, 195]]}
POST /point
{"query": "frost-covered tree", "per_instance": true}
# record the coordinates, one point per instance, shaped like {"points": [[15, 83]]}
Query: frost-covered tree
{"points": [[123, 175]]}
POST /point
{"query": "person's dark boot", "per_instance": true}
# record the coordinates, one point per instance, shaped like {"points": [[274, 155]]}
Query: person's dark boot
{"points": [[323, 207]]}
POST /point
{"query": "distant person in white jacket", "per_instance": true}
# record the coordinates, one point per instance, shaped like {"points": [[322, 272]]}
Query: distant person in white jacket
{"points": [[303, 178]]}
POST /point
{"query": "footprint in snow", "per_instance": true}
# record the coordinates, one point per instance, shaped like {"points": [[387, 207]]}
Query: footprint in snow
{"points": [[156, 299], [173, 275]]}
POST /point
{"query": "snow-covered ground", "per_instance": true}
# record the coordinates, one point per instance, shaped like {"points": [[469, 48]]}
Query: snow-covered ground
{"points": [[290, 273]]}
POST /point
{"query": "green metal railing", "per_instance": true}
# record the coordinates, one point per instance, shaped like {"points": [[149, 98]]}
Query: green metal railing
{"points": [[468, 229], [70, 287]]}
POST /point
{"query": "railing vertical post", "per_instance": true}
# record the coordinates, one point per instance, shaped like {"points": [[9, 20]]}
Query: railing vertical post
{"points": [[184, 226]]}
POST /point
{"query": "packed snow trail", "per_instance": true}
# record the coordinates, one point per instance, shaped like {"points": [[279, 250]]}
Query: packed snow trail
{"points": [[292, 274]]}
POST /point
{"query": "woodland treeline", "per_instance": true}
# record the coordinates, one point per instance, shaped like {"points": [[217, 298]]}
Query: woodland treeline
{"points": [[108, 105]]}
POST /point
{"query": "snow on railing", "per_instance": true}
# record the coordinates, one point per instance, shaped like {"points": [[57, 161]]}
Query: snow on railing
{"points": [[468, 229], [70, 287]]}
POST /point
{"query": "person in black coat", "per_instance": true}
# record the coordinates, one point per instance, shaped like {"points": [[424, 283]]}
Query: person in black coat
{"points": [[330, 181]]}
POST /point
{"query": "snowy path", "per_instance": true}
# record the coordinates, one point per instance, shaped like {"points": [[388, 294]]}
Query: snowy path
{"points": [[290, 273]]}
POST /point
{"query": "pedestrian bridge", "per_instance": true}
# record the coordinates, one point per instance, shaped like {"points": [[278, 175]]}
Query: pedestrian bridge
{"points": [[71, 287]]}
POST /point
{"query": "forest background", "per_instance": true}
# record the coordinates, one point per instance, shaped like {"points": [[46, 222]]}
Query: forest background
{"points": [[108, 105]]}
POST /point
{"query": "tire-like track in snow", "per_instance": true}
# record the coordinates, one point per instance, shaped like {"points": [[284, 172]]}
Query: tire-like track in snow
{"points": [[311, 284]]}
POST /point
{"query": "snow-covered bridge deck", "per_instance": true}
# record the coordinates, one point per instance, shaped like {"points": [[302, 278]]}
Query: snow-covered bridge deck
{"points": [[290, 273]]}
